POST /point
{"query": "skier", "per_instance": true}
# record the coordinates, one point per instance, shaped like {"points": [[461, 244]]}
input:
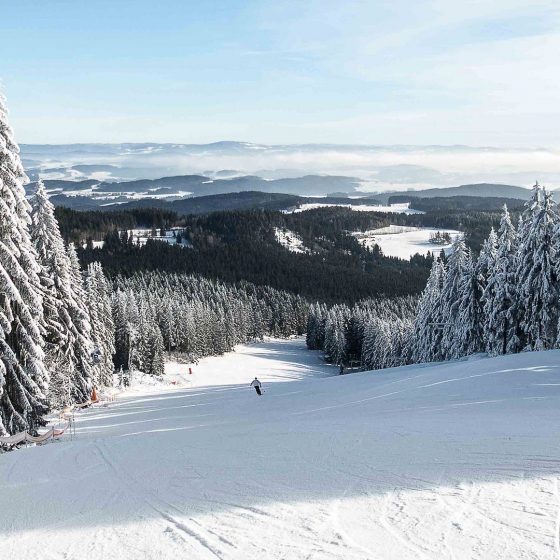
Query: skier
{"points": [[257, 385], [341, 370]]}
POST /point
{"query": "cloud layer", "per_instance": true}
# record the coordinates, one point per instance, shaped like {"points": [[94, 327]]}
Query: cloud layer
{"points": [[379, 167]]}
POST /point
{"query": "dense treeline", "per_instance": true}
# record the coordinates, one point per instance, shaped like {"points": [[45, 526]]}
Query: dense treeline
{"points": [[476, 224], [51, 354], [338, 278], [78, 329], [154, 312], [319, 228], [79, 226], [373, 333], [241, 245], [505, 300], [484, 203], [235, 246]]}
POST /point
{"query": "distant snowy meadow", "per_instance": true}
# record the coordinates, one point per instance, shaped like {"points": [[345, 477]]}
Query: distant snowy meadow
{"points": [[404, 242]]}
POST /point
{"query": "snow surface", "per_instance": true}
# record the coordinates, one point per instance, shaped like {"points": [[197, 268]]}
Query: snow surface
{"points": [[290, 240], [140, 236], [95, 244], [404, 241], [448, 461], [393, 208]]}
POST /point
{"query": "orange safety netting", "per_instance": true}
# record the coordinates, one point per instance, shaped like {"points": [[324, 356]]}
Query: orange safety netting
{"points": [[24, 436], [52, 432]]}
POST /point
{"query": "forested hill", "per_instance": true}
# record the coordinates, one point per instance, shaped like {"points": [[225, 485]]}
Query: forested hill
{"points": [[482, 190], [235, 246], [476, 203], [331, 265], [473, 215]]}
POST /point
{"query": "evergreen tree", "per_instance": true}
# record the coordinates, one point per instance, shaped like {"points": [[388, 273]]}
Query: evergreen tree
{"points": [[429, 318], [499, 295], [313, 324], [124, 313], [468, 336], [83, 347], [68, 333], [98, 293], [485, 265], [196, 316], [536, 273], [335, 339], [453, 287], [156, 357], [23, 376], [49, 247]]}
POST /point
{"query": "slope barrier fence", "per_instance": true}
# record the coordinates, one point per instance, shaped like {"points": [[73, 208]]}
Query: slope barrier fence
{"points": [[66, 416]]}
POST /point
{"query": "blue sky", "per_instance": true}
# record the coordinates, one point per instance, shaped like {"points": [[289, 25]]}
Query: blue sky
{"points": [[368, 72]]}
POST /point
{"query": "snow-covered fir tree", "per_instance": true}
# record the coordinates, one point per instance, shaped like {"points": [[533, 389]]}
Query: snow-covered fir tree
{"points": [[125, 313], [83, 347], [49, 247], [335, 334], [315, 337], [196, 316], [68, 332], [426, 346], [512, 293], [500, 292], [536, 273], [149, 346], [468, 335], [507, 300], [376, 333], [386, 343], [451, 294], [485, 265], [98, 291], [23, 375], [153, 358]]}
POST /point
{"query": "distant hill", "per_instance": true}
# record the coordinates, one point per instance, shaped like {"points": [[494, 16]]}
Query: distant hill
{"points": [[201, 185], [90, 194], [479, 189], [212, 203], [203, 204], [196, 205], [485, 203]]}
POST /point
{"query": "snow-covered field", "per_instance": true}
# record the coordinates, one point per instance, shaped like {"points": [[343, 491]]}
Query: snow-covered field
{"points": [[404, 241], [290, 240], [141, 236], [454, 461], [393, 208]]}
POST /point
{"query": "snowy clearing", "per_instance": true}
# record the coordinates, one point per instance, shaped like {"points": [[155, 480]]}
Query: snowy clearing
{"points": [[404, 241], [141, 236], [290, 240], [393, 208], [447, 461]]}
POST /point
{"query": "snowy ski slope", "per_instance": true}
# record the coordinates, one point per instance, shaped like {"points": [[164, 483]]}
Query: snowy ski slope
{"points": [[455, 461]]}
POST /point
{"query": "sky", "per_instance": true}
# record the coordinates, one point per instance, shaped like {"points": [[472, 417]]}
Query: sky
{"points": [[420, 72]]}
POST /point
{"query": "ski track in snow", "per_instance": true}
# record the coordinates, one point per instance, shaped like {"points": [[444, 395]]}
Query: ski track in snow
{"points": [[448, 461]]}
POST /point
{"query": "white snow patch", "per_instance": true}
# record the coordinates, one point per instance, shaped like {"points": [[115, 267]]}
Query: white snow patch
{"points": [[404, 241], [392, 208], [140, 236], [453, 461], [96, 244], [291, 240]]}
